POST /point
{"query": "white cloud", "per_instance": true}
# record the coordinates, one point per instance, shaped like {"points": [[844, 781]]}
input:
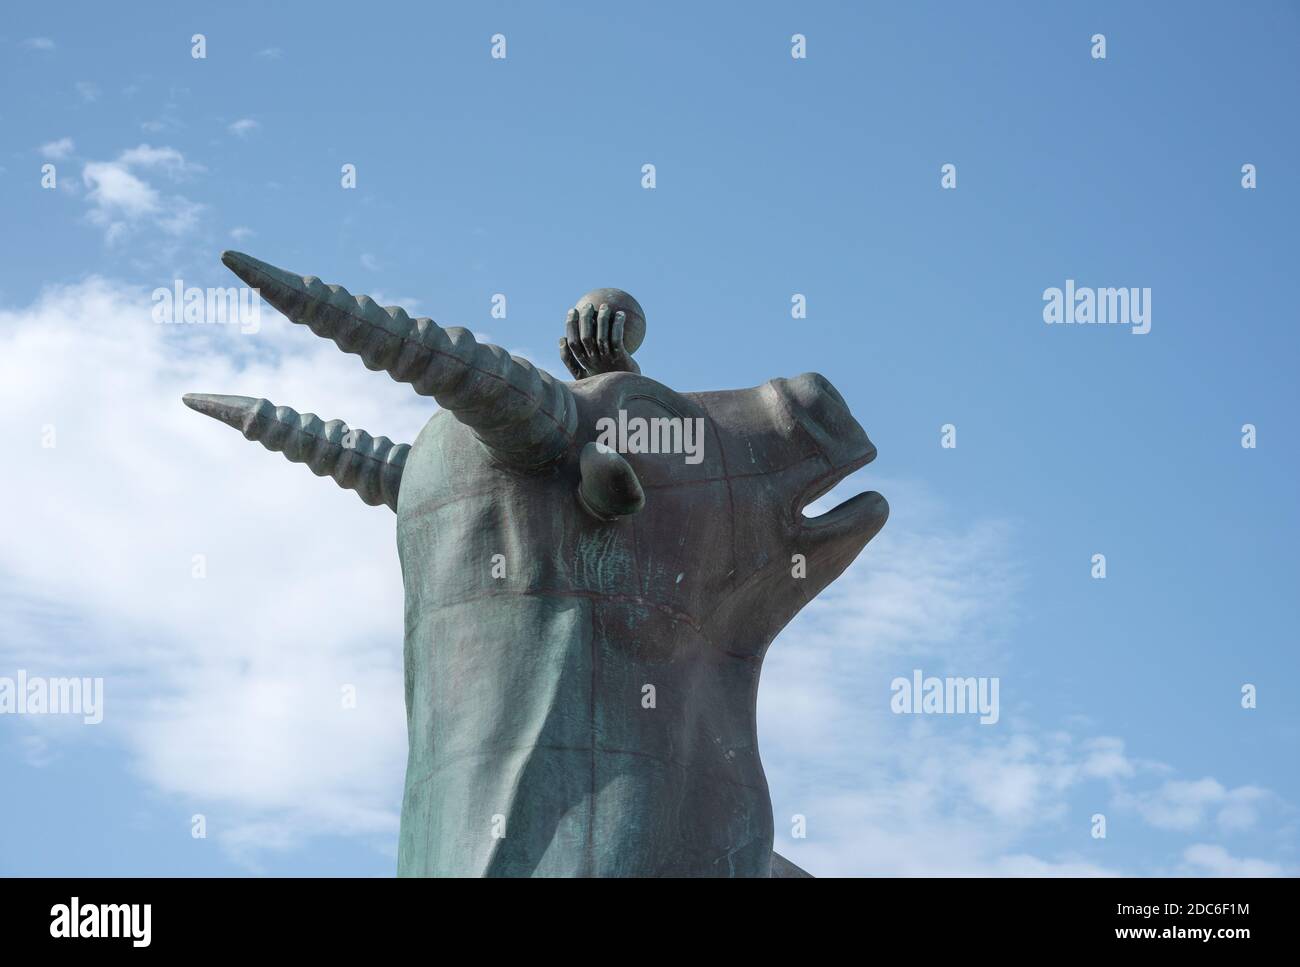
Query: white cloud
{"points": [[89, 91], [243, 127], [1069, 865], [167, 160], [914, 598], [369, 262], [888, 794], [270, 53], [225, 691], [1106, 759], [121, 200], [241, 232], [1184, 806], [38, 43], [1204, 859], [58, 150], [116, 193]]}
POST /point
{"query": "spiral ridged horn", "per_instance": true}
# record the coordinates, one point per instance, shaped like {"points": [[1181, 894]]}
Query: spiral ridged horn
{"points": [[372, 466], [525, 417]]}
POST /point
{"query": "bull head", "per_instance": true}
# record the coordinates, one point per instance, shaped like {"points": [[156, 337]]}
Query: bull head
{"points": [[584, 629]]}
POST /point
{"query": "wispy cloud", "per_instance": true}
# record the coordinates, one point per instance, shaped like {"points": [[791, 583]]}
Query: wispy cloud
{"points": [[243, 127], [88, 91], [38, 43], [58, 150], [168, 160], [887, 794], [1189, 805], [1206, 859], [121, 199]]}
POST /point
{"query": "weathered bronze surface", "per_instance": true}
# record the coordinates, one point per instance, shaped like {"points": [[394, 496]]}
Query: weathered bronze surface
{"points": [[584, 628]]}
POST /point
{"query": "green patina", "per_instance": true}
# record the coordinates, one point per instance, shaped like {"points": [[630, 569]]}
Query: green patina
{"points": [[552, 584]]}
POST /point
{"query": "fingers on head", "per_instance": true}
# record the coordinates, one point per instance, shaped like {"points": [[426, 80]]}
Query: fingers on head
{"points": [[572, 331], [569, 359], [602, 329], [616, 331], [587, 328]]}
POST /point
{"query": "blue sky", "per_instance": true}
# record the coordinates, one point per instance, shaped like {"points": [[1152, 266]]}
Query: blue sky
{"points": [[774, 176]]}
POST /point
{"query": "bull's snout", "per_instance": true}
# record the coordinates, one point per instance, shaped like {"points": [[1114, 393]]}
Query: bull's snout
{"points": [[821, 411]]}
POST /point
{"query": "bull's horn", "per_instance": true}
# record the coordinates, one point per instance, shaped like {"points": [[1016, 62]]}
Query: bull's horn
{"points": [[522, 415], [372, 466]]}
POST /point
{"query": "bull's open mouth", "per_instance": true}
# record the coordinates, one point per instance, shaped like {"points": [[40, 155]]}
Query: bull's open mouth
{"points": [[866, 508], [864, 513]]}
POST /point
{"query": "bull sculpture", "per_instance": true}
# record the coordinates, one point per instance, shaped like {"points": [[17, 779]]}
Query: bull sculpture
{"points": [[584, 629]]}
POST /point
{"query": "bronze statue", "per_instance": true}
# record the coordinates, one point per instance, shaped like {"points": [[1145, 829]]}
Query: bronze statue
{"points": [[584, 628]]}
